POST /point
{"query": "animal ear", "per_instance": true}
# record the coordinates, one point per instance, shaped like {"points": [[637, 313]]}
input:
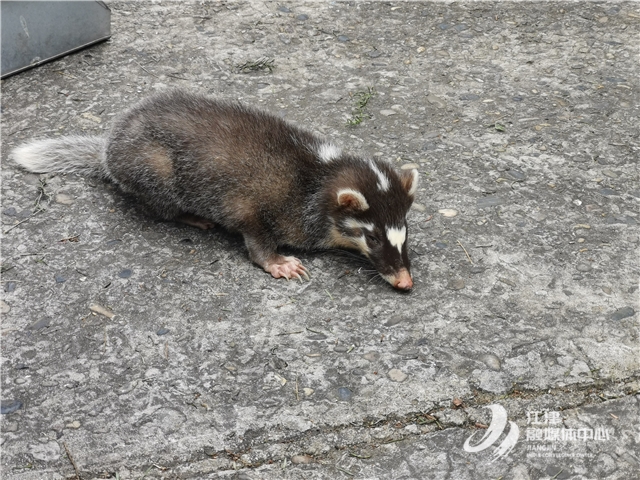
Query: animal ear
{"points": [[410, 181], [351, 199]]}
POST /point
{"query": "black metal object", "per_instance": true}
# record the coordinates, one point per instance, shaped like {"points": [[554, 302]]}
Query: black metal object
{"points": [[37, 32]]}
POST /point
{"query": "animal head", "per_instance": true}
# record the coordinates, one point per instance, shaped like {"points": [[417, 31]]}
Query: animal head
{"points": [[369, 204]]}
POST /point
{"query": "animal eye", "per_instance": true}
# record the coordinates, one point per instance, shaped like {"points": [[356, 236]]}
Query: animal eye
{"points": [[372, 240]]}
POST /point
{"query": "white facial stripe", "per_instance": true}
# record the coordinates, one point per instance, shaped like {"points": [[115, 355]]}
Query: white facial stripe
{"points": [[397, 237], [361, 243], [383, 181], [328, 151], [414, 183], [353, 223]]}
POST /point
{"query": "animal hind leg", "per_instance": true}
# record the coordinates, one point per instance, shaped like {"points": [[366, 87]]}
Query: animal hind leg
{"points": [[195, 221]]}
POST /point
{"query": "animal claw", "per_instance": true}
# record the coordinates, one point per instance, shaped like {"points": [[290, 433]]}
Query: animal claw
{"points": [[288, 267]]}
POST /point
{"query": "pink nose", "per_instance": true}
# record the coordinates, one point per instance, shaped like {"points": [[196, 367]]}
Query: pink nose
{"points": [[403, 280]]}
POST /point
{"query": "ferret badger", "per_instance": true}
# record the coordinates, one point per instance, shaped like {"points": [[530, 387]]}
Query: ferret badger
{"points": [[190, 158]]}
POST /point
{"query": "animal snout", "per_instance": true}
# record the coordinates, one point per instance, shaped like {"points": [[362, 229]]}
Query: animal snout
{"points": [[403, 281]]}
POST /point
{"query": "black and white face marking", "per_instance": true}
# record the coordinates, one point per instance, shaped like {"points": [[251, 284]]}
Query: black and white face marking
{"points": [[371, 218], [397, 237], [383, 181], [384, 246], [356, 233]]}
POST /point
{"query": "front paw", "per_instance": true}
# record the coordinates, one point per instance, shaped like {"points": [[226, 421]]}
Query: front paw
{"points": [[287, 267]]}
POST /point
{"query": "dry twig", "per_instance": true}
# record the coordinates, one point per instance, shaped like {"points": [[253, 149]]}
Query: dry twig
{"points": [[73, 463], [465, 251]]}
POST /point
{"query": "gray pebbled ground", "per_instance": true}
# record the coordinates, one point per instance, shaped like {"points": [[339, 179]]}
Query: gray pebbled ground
{"points": [[146, 349]]}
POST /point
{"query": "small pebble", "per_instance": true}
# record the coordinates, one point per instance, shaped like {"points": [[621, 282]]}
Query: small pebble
{"points": [[126, 273], [209, 451], [318, 336], [583, 267], [308, 391], [371, 356], [455, 284], [388, 113], [60, 278], [397, 375], [448, 212], [40, 324], [9, 287], [506, 281], [278, 363], [419, 250], [409, 353], [9, 406], [101, 310], [10, 427], [343, 38], [64, 199], [410, 166], [491, 361], [75, 425], [607, 290], [4, 307], [344, 393], [621, 313], [301, 459], [340, 349], [437, 102], [486, 202], [302, 17], [516, 175], [394, 320], [162, 331], [92, 117], [284, 9]]}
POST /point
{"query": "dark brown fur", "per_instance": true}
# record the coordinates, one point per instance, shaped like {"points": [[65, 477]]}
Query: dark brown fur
{"points": [[188, 157]]}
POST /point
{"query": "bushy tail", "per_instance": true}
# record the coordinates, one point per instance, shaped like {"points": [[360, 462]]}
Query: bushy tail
{"points": [[84, 155]]}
